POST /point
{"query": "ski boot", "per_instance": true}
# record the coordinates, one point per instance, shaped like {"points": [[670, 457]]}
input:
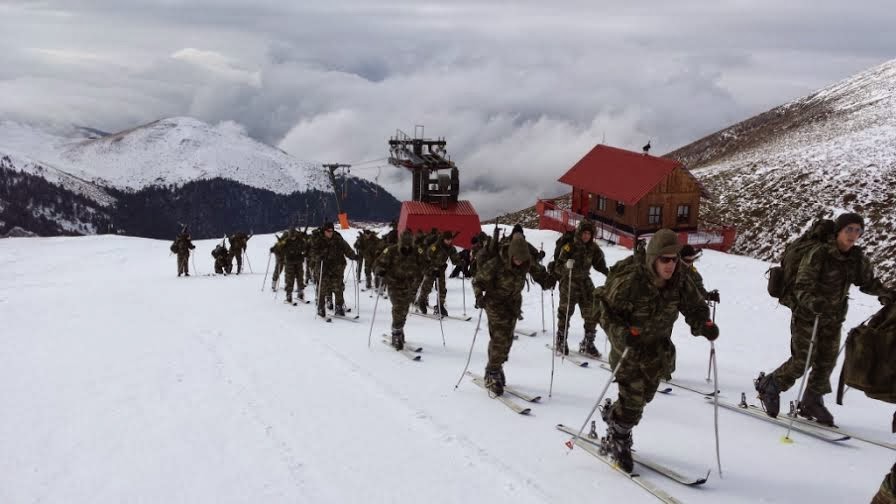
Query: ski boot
{"points": [[340, 310], [421, 305], [398, 338], [493, 381], [274, 285], [769, 394], [301, 296], [618, 441], [587, 346], [329, 303], [288, 300], [501, 376], [321, 312], [812, 407], [560, 343], [441, 310]]}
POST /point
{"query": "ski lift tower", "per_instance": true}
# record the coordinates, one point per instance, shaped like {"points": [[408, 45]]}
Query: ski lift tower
{"points": [[435, 187], [331, 169]]}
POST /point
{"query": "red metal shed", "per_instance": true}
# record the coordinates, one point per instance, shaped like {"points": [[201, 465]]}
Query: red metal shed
{"points": [[459, 217]]}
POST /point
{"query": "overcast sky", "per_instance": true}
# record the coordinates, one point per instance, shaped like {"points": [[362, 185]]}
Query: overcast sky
{"points": [[520, 89]]}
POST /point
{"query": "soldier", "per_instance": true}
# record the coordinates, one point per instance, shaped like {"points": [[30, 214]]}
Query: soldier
{"points": [[312, 259], [573, 269], [182, 246], [238, 242], [497, 287], [887, 492], [689, 256], [479, 242], [821, 290], [277, 250], [391, 238], [293, 258], [359, 246], [370, 253], [331, 250], [438, 254], [402, 267], [221, 256], [377, 247], [638, 307]]}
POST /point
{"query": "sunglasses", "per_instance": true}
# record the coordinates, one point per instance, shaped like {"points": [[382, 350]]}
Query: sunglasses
{"points": [[854, 230], [667, 259]]}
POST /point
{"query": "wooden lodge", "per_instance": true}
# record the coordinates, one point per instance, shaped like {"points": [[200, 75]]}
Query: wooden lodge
{"points": [[630, 195]]}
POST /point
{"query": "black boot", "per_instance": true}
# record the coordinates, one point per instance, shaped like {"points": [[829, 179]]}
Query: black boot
{"points": [[442, 311], [493, 381], [329, 303], [769, 393], [587, 345], [812, 406], [501, 375], [560, 342], [421, 305], [301, 296], [321, 312], [619, 441], [398, 338], [340, 310]]}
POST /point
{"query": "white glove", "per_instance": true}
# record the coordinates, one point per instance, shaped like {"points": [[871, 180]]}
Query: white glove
{"points": [[570, 263]]}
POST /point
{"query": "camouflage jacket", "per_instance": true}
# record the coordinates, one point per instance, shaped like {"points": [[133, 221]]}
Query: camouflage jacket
{"points": [[586, 256], [294, 247], [182, 245], [391, 237], [825, 276], [373, 247], [220, 252], [631, 299], [238, 242], [402, 270], [697, 277], [277, 247], [360, 244], [501, 282], [312, 244], [438, 255], [333, 251]]}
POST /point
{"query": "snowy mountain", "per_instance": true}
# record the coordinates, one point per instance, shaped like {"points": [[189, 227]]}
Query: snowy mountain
{"points": [[829, 152], [203, 389], [147, 179]]}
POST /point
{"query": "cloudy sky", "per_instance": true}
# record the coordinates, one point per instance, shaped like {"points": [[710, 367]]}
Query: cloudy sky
{"points": [[520, 89]]}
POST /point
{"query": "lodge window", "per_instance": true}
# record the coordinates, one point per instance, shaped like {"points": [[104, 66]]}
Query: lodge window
{"points": [[620, 208], [655, 215], [601, 203], [684, 213]]}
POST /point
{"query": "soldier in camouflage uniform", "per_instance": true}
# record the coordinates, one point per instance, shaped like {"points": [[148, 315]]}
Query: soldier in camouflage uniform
{"points": [[331, 251], [821, 290], [497, 287], [313, 260], [359, 246], [576, 287], [402, 267], [182, 246], [639, 305], [438, 254], [887, 492], [277, 250], [238, 242], [372, 250], [294, 247], [221, 256]]}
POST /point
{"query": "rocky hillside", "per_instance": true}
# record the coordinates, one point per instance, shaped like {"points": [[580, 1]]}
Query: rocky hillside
{"points": [[818, 156]]}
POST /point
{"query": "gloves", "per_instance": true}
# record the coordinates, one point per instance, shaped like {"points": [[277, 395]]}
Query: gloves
{"points": [[885, 299], [379, 272], [480, 301], [570, 263], [435, 272], [540, 255], [709, 330], [549, 283], [632, 337], [817, 306], [713, 296]]}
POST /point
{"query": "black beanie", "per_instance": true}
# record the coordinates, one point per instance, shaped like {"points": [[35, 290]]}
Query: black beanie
{"points": [[848, 218], [328, 225], [517, 229]]}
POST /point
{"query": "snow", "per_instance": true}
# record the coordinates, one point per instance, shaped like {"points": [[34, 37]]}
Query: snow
{"points": [[123, 383]]}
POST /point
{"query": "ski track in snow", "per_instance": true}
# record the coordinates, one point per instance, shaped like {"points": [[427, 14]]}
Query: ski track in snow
{"points": [[121, 382]]}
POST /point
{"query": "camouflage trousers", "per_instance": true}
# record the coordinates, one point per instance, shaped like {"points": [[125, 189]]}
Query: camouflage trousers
{"points": [[824, 355], [314, 270], [294, 277], [401, 302], [639, 377], [428, 282], [887, 492], [582, 294], [368, 270], [502, 317], [278, 267], [331, 283], [220, 264], [183, 263], [239, 261]]}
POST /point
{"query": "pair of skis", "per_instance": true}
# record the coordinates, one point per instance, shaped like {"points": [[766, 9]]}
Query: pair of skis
{"points": [[510, 403], [410, 350]]}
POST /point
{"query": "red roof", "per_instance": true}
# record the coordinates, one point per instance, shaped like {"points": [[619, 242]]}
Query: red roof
{"points": [[619, 174], [462, 207]]}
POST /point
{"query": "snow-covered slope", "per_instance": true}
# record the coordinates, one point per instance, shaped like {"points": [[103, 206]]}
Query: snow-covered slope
{"points": [[166, 152], [204, 389], [818, 156]]}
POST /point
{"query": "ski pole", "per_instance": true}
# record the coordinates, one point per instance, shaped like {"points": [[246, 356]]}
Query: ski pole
{"points": [[373, 317], [709, 366], [715, 396], [569, 265], [543, 330], [803, 381], [463, 290], [266, 269], [554, 351], [193, 260], [470, 355], [319, 298], [572, 441], [441, 327], [248, 262]]}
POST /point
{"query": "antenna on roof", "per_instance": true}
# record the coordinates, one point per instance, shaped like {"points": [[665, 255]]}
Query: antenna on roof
{"points": [[603, 137], [646, 148]]}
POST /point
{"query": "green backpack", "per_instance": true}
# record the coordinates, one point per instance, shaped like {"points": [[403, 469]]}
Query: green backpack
{"points": [[781, 279], [870, 363]]}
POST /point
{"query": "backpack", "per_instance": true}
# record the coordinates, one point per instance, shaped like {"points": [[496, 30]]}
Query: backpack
{"points": [[781, 279], [173, 248], [870, 363], [565, 238]]}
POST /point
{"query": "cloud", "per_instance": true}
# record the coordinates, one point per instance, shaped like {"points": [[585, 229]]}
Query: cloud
{"points": [[519, 91]]}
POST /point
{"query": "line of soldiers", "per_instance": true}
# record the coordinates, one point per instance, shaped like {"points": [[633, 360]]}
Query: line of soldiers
{"points": [[223, 257]]}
